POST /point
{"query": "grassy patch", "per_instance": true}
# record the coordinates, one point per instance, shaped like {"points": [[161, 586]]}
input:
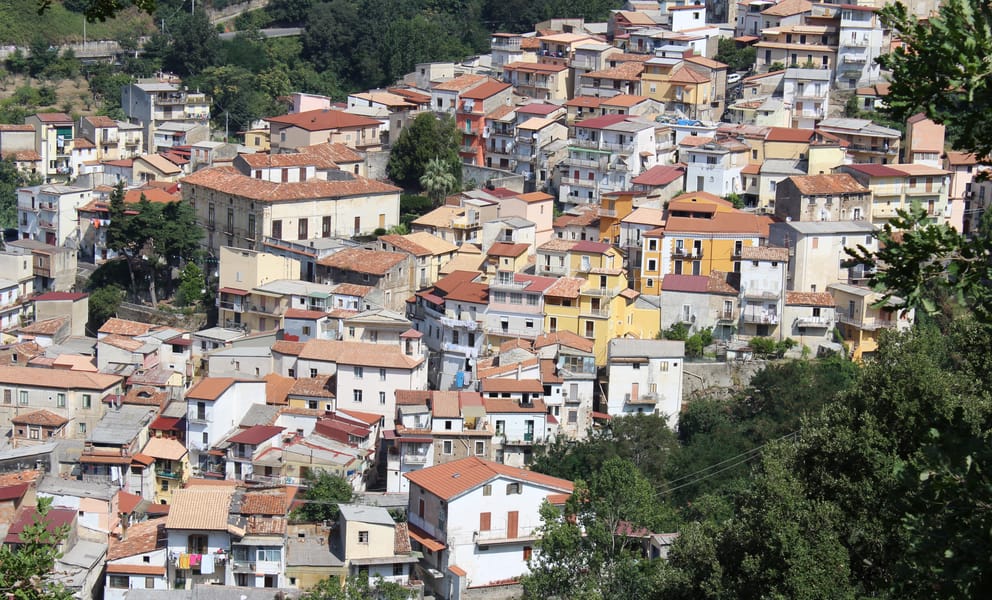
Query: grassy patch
{"points": [[20, 24]]}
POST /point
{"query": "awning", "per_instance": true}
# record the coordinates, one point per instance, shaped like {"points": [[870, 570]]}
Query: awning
{"points": [[600, 415], [419, 535], [232, 291], [322, 295]]}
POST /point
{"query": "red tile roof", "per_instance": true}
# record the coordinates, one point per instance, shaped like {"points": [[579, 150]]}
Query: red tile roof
{"points": [[565, 338], [324, 119], [500, 385], [373, 262], [43, 418], [229, 180], [696, 284], [452, 479], [139, 538], [125, 327], [659, 175], [809, 299], [57, 296], [486, 90], [789, 134], [256, 435], [210, 388], [508, 250], [827, 183]]}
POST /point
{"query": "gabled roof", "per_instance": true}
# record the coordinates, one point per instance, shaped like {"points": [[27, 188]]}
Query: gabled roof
{"points": [[508, 250], [43, 418], [360, 260], [125, 327], [659, 175], [827, 183], [787, 8], [564, 338], [164, 448], [486, 90], [324, 119], [210, 388], [453, 479], [460, 83], [809, 299], [789, 134], [502, 385], [200, 508]]}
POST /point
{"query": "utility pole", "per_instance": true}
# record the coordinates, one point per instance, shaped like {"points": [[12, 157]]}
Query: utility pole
{"points": [[225, 126]]}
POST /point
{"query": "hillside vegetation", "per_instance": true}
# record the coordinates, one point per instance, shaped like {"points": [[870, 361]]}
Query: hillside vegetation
{"points": [[20, 24]]}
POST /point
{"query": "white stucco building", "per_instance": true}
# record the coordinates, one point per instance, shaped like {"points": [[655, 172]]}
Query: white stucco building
{"points": [[645, 377]]}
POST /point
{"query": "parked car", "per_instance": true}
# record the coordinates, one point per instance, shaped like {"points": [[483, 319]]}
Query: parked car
{"points": [[733, 78]]}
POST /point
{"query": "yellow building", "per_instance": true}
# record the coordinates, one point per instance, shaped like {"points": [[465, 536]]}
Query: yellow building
{"points": [[240, 272], [860, 320], [598, 306], [171, 466], [613, 208], [568, 258], [702, 234], [503, 256], [257, 139]]}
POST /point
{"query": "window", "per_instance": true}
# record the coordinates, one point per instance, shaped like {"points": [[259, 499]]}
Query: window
{"points": [[652, 265], [480, 448], [206, 438], [397, 568], [528, 552], [165, 485], [363, 537], [119, 581], [513, 488], [302, 227], [487, 490], [446, 447], [663, 366], [382, 373], [652, 245], [447, 425], [359, 372], [87, 401], [325, 227], [277, 229], [23, 397], [313, 373], [357, 396], [382, 397], [485, 521], [8, 396]]}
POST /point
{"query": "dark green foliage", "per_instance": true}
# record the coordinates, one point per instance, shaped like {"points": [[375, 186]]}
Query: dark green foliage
{"points": [[324, 492], [736, 59], [191, 286], [193, 45], [103, 304], [678, 332], [10, 180], [769, 348], [26, 572], [356, 587], [426, 138], [101, 10], [941, 69]]}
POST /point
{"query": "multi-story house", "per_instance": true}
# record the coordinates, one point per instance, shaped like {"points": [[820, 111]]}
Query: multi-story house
{"points": [[566, 258], [613, 208], [48, 213], [816, 251], [806, 93], [808, 46], [540, 145], [541, 81], [393, 275], [199, 536], [645, 376], [109, 452], [965, 212], [458, 427], [171, 466], [516, 412], [258, 558], [215, 406], [605, 154], [860, 318], [138, 559], [78, 396], [286, 198], [899, 186], [568, 369], [449, 315], [477, 521], [579, 222], [809, 318], [429, 254], [536, 207], [500, 152], [660, 183], [625, 78], [17, 142], [152, 103], [588, 57], [689, 87], [700, 302], [866, 141], [241, 271], [762, 285], [375, 546], [108, 139], [509, 48], [293, 131], [834, 197], [445, 94], [715, 167], [861, 40], [54, 136], [924, 141], [470, 117], [516, 306], [410, 446]]}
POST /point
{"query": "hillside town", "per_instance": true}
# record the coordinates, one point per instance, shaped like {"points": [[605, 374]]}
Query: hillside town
{"points": [[634, 220]]}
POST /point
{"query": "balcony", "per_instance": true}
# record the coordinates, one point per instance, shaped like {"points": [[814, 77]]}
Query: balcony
{"points": [[648, 398], [753, 294], [883, 149], [726, 315], [46, 224], [170, 100], [497, 536], [500, 283], [603, 292], [598, 313], [265, 310], [198, 418], [463, 323], [512, 332], [177, 474], [599, 164], [551, 270], [760, 318], [468, 351], [525, 440], [415, 459], [233, 306], [811, 94], [856, 43], [465, 223], [851, 59], [813, 323], [864, 323], [687, 253], [579, 182], [585, 143], [608, 212], [625, 148]]}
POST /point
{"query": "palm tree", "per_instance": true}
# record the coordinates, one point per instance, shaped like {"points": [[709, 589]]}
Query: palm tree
{"points": [[437, 180]]}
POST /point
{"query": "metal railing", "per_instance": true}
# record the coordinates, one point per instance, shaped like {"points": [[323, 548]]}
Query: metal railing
{"points": [[817, 322]]}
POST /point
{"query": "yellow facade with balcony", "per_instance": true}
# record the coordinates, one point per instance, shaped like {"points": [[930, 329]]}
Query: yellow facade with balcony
{"points": [[860, 321]]}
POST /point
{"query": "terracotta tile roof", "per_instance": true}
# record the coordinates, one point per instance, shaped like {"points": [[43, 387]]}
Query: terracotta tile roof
{"points": [[358, 353], [440, 217], [210, 388], [627, 71], [123, 342], [508, 250], [100, 121], [403, 243], [300, 313], [288, 348], [359, 260], [722, 222], [229, 180], [765, 253], [324, 119], [696, 284], [534, 67], [160, 163], [508, 405], [511, 385], [500, 112], [789, 134], [585, 101], [549, 372], [331, 153], [809, 299], [483, 371], [277, 387], [470, 291], [875, 170], [53, 118], [164, 448], [691, 141], [352, 289], [586, 217], [591, 247], [262, 160], [16, 127], [46, 327], [125, 327], [370, 419], [319, 387], [66, 379], [564, 338], [787, 8], [42, 418], [514, 344], [200, 508], [687, 75], [460, 83], [432, 243], [486, 90], [723, 283], [412, 95], [706, 62], [265, 503], [629, 57], [826, 184], [139, 538], [557, 245], [452, 479], [22, 155], [566, 287], [659, 175], [256, 435], [412, 397], [961, 158]]}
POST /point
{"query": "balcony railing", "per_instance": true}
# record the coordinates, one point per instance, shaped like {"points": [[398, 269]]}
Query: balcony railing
{"points": [[606, 292], [579, 182], [761, 294], [589, 163], [648, 398], [581, 143], [856, 43], [551, 270], [608, 212], [265, 310], [508, 284], [524, 440], [813, 322], [688, 253], [725, 315], [866, 323], [415, 459], [170, 474], [469, 351], [760, 318], [500, 331], [235, 306], [465, 223], [465, 323], [601, 313]]}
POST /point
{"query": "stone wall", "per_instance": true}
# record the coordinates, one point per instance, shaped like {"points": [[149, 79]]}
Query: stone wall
{"points": [[147, 314], [721, 379]]}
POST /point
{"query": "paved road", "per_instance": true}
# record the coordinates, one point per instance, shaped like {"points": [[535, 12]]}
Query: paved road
{"points": [[269, 33]]}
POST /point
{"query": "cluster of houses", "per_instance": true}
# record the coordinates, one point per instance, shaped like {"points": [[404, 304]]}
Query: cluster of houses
{"points": [[626, 185]]}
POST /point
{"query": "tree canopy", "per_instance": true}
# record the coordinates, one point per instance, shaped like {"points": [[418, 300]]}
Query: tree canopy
{"points": [[26, 571], [324, 493], [427, 138]]}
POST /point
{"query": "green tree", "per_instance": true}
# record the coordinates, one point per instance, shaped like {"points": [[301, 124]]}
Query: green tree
{"points": [[356, 588], [191, 286], [736, 59], [941, 68], [426, 138], [193, 45], [41, 57], [26, 572], [324, 493], [103, 304], [593, 549], [437, 180]]}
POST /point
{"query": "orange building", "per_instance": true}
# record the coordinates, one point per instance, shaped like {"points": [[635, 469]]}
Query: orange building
{"points": [[473, 107]]}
